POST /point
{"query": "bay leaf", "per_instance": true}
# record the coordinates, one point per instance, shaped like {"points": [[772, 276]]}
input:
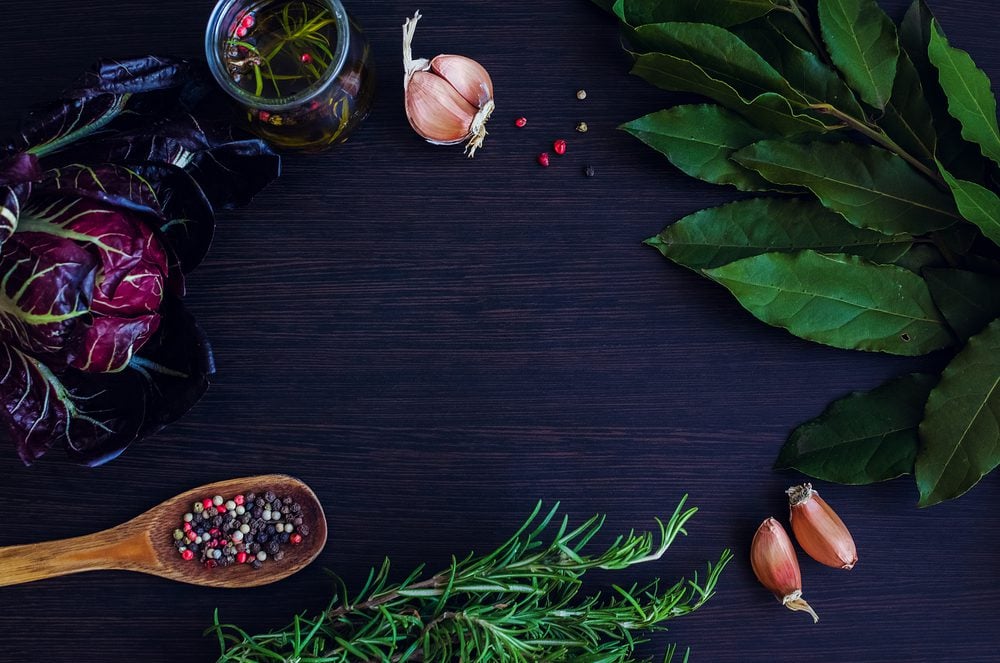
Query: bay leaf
{"points": [[721, 54], [817, 82], [717, 12], [908, 119], [838, 300], [970, 99], [960, 434], [968, 300], [767, 110], [698, 139], [958, 155], [865, 437], [870, 186], [977, 204], [862, 43], [720, 235]]}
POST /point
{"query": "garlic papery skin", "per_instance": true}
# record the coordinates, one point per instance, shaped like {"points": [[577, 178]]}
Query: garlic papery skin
{"points": [[819, 530], [772, 557], [448, 98]]}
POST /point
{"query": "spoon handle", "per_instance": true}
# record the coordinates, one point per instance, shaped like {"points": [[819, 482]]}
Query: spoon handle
{"points": [[111, 549]]}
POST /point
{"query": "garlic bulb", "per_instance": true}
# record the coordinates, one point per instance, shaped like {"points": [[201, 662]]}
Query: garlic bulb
{"points": [[448, 98], [776, 567], [819, 530]]}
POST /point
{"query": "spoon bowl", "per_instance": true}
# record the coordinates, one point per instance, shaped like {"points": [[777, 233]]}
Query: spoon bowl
{"points": [[145, 545]]}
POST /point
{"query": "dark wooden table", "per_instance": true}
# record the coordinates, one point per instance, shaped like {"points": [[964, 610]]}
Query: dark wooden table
{"points": [[435, 343]]}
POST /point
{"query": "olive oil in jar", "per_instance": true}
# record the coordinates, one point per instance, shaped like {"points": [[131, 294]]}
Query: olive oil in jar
{"points": [[301, 69]]}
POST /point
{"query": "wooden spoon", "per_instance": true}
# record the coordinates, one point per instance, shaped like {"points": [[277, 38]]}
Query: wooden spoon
{"points": [[145, 543]]}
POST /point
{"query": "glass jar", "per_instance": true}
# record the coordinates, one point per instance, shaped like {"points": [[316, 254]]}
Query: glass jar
{"points": [[299, 69]]}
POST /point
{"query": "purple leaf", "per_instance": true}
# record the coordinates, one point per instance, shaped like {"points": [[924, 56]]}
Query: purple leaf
{"points": [[46, 286], [108, 344], [34, 408]]}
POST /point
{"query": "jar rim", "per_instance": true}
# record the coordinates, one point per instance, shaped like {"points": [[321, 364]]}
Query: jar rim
{"points": [[214, 38]]}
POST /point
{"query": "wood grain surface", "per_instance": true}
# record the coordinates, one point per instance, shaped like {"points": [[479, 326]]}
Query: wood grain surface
{"points": [[433, 344]]}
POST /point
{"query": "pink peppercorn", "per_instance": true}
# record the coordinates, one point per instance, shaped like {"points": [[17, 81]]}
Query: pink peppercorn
{"points": [[306, 58], [520, 122], [248, 21], [241, 558], [241, 32], [296, 539], [207, 503], [239, 500], [559, 147], [187, 554], [543, 159]]}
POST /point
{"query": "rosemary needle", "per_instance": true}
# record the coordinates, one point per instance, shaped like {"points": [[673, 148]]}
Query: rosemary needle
{"points": [[521, 603]]}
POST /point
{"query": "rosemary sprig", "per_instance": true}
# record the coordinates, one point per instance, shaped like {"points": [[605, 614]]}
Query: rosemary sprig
{"points": [[520, 603]]}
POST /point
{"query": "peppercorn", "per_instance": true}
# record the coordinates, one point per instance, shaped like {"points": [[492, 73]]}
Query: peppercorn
{"points": [[520, 122], [582, 127], [581, 94], [543, 159], [559, 147], [305, 58], [198, 507], [589, 171]]}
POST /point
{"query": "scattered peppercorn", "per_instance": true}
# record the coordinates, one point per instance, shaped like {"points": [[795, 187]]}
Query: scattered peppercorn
{"points": [[543, 159], [225, 532], [520, 122], [581, 94], [582, 127], [589, 171], [559, 147]]}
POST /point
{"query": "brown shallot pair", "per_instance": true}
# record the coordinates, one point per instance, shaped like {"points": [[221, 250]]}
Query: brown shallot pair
{"points": [[820, 532]]}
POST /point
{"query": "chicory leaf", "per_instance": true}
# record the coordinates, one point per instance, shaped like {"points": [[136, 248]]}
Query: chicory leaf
{"points": [[865, 437], [163, 381], [960, 433], [720, 235], [108, 343], [862, 43], [872, 187], [34, 409], [46, 287], [109, 183], [838, 300]]}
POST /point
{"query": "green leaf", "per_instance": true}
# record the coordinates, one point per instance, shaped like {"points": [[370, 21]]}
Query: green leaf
{"points": [[865, 437], [959, 156], [908, 118], [803, 69], [961, 428], [721, 54], [977, 204], [970, 99], [838, 300], [871, 187], [699, 139], [968, 300], [767, 110], [717, 12], [862, 43], [721, 235]]}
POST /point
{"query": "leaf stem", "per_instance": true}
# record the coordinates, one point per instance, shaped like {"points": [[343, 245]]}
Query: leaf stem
{"points": [[877, 135]]}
